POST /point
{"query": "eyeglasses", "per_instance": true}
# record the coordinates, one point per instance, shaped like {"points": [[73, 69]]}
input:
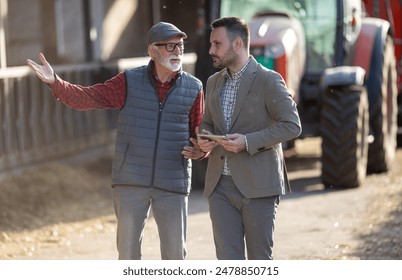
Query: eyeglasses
{"points": [[171, 46]]}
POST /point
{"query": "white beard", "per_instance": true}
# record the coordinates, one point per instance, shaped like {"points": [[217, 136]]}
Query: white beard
{"points": [[173, 66]]}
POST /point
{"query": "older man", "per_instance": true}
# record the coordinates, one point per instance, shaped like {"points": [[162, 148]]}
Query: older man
{"points": [[160, 107]]}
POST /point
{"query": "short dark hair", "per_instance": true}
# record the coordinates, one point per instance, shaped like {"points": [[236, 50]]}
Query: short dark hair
{"points": [[235, 26]]}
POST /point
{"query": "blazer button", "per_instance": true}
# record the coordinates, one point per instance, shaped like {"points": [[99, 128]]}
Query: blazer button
{"points": [[222, 157]]}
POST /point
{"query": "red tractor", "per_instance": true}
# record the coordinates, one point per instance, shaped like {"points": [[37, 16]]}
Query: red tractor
{"points": [[392, 12], [341, 68]]}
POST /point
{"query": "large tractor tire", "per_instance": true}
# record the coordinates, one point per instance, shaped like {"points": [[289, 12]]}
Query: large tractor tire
{"points": [[381, 84], [344, 131]]}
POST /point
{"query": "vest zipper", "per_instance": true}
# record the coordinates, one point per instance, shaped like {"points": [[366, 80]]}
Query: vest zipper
{"points": [[156, 144], [161, 104]]}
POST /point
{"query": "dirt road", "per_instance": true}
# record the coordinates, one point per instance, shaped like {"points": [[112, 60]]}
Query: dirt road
{"points": [[64, 211]]}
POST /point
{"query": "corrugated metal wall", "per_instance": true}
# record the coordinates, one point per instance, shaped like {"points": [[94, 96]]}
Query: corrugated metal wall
{"points": [[35, 127]]}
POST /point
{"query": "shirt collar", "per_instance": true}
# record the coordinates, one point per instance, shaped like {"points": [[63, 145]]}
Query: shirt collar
{"points": [[238, 74], [174, 76]]}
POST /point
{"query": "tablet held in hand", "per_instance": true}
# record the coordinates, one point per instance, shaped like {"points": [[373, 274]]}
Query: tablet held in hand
{"points": [[213, 137]]}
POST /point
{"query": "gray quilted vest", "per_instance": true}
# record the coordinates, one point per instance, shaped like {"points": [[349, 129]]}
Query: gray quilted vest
{"points": [[151, 135]]}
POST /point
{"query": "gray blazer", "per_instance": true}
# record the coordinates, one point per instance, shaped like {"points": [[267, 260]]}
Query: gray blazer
{"points": [[266, 113]]}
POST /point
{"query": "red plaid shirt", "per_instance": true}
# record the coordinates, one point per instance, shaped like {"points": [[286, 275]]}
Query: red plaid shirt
{"points": [[112, 94]]}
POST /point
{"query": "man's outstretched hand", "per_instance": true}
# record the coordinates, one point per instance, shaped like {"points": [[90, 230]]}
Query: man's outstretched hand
{"points": [[45, 71]]}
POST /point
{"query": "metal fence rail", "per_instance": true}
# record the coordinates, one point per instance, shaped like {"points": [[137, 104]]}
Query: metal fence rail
{"points": [[35, 127]]}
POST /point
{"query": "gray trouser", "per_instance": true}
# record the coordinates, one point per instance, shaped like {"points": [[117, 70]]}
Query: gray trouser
{"points": [[235, 218], [132, 205]]}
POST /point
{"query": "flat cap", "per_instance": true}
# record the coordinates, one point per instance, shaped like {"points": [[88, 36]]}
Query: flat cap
{"points": [[163, 31]]}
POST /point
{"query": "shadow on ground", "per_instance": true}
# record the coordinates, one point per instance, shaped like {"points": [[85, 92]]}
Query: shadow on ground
{"points": [[385, 242]]}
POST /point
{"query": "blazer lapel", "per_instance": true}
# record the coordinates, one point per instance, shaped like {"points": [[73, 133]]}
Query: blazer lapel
{"points": [[244, 88]]}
